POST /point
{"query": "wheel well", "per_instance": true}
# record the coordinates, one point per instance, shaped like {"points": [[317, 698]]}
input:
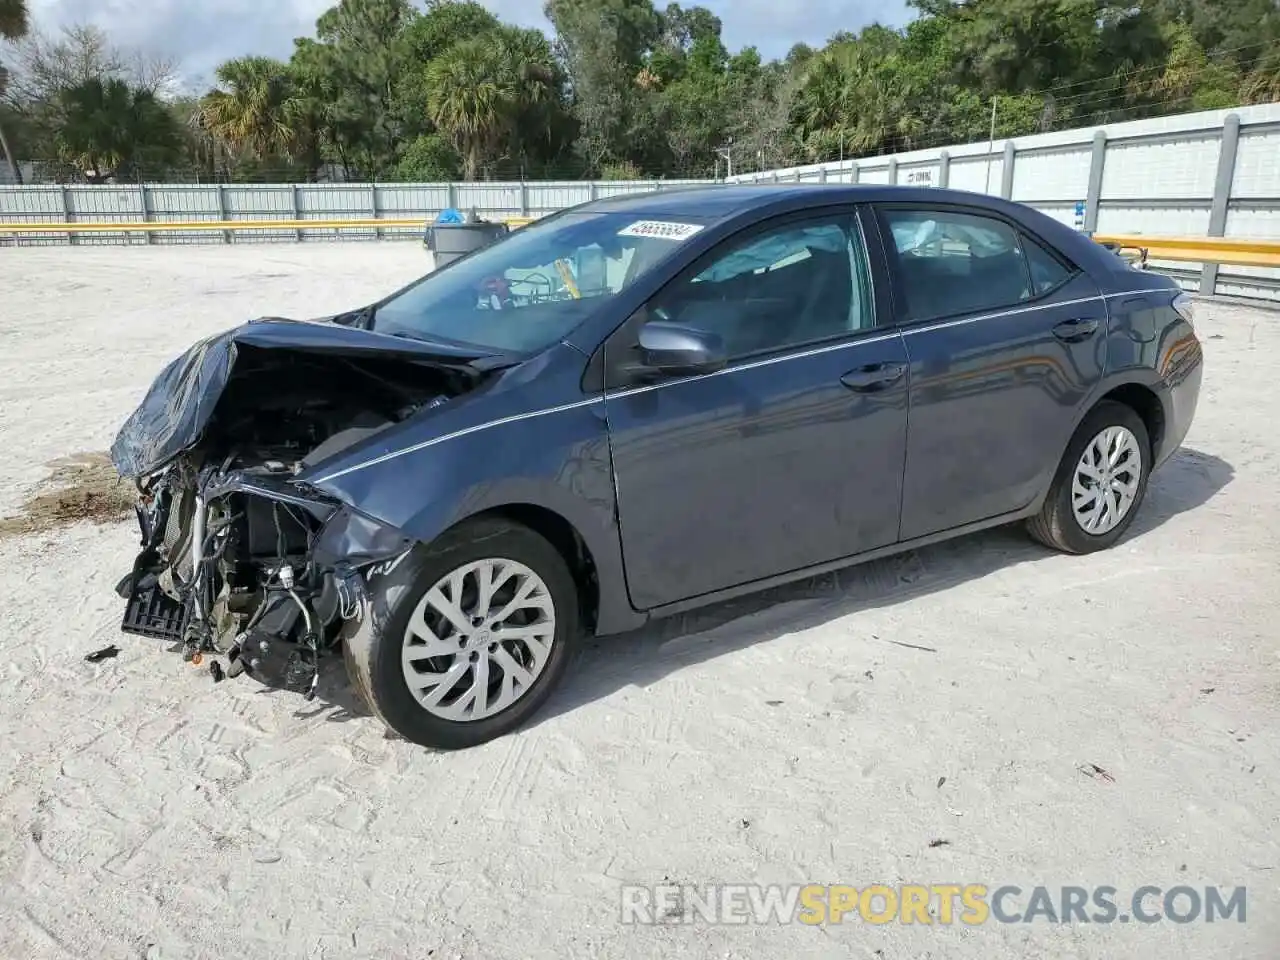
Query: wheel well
{"points": [[560, 533], [1143, 401]]}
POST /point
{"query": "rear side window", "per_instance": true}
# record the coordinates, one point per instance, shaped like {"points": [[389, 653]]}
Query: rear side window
{"points": [[953, 263]]}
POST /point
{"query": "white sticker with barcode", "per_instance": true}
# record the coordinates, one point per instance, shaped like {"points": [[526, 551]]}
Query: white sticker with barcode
{"points": [[660, 229]]}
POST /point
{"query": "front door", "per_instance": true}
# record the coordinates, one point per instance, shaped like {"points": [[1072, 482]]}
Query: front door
{"points": [[793, 454], [1006, 341]]}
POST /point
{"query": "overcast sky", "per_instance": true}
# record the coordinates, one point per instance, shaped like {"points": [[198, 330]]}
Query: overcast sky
{"points": [[202, 33]]}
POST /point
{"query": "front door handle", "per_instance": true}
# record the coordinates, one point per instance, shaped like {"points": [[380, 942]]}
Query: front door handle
{"points": [[1075, 331], [874, 377]]}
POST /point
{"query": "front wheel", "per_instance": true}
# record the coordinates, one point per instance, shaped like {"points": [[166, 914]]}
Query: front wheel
{"points": [[466, 638], [1100, 482]]}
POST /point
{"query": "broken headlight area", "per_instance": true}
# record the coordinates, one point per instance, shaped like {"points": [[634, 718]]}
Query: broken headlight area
{"points": [[239, 558], [246, 565]]}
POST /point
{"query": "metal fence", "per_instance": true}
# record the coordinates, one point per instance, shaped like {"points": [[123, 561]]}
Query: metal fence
{"points": [[1214, 174], [218, 203]]}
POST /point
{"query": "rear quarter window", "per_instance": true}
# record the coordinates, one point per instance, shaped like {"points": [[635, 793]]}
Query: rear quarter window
{"points": [[1046, 270]]}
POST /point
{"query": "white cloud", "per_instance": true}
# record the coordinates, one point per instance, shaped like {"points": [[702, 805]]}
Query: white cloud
{"points": [[203, 33]]}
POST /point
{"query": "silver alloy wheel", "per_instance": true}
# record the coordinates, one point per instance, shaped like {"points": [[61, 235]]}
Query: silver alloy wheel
{"points": [[478, 639], [1105, 483]]}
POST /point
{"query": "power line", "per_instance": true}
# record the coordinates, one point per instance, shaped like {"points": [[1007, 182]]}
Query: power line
{"points": [[1152, 68]]}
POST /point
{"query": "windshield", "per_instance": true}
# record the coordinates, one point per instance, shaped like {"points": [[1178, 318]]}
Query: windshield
{"points": [[535, 286]]}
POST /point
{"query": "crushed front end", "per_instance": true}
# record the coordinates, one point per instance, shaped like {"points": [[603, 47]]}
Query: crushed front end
{"points": [[235, 562], [241, 562]]}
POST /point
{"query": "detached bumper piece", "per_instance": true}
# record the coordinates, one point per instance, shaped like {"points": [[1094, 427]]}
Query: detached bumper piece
{"points": [[149, 612]]}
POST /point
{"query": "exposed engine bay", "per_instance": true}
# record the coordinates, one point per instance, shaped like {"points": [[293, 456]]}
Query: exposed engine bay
{"points": [[240, 559]]}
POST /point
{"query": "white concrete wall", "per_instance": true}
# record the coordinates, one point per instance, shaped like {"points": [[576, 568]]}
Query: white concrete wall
{"points": [[1157, 177]]}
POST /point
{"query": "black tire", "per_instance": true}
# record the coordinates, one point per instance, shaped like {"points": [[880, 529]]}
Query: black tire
{"points": [[1056, 525], [373, 646]]}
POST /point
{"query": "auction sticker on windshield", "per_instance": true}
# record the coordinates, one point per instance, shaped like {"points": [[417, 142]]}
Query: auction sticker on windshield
{"points": [[661, 229]]}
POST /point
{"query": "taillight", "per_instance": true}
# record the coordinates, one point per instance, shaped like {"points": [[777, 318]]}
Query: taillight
{"points": [[1186, 308]]}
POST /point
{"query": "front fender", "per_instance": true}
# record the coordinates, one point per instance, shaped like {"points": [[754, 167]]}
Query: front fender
{"points": [[556, 459]]}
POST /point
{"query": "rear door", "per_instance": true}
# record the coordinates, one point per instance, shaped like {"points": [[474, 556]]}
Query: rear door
{"points": [[1006, 339], [790, 456]]}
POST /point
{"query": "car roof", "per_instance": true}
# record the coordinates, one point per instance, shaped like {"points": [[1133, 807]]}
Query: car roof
{"points": [[722, 201]]}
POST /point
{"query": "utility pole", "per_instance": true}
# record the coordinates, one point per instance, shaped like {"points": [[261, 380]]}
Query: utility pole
{"points": [[991, 143], [726, 153]]}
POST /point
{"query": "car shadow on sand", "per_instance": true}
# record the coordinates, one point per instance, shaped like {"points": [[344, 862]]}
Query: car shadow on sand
{"points": [[602, 666]]}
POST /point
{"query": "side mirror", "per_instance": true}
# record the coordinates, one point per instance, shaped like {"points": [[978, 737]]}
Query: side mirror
{"points": [[674, 349]]}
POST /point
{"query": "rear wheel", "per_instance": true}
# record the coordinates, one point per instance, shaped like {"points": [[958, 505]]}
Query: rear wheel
{"points": [[467, 637], [1100, 483]]}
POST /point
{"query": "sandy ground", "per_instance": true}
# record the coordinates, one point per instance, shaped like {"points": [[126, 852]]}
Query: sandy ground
{"points": [[145, 812]]}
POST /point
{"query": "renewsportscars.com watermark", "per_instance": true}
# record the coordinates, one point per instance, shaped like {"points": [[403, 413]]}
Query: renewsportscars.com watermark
{"points": [[944, 904]]}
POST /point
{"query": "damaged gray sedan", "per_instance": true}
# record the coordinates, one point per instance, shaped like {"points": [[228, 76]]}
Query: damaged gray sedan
{"points": [[634, 408]]}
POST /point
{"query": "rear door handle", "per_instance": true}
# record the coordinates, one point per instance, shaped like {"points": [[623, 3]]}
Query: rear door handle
{"points": [[874, 377], [1074, 331]]}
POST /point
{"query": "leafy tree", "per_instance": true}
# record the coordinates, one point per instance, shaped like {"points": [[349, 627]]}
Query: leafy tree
{"points": [[1012, 46], [444, 88], [1189, 77], [626, 170], [430, 158], [687, 79], [602, 45], [426, 38], [1246, 31], [41, 66], [445, 23], [46, 64], [761, 99], [361, 52], [1262, 84]]}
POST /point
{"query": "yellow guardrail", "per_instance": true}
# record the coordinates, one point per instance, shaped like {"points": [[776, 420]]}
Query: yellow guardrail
{"points": [[222, 226], [1243, 252]]}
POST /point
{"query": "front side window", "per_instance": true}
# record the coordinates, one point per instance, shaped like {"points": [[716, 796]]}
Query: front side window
{"points": [[952, 263], [789, 285], [534, 287]]}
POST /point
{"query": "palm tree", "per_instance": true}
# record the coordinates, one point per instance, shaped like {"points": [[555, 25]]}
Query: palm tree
{"points": [[108, 127], [259, 110], [483, 93], [13, 25], [471, 98], [854, 93]]}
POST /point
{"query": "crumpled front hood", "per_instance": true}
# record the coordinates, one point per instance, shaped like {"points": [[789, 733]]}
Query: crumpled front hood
{"points": [[176, 410]]}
